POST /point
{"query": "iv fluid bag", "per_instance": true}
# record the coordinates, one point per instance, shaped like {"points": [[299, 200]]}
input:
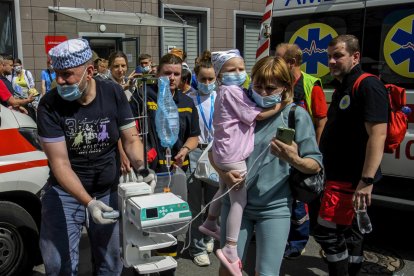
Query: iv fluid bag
{"points": [[167, 121]]}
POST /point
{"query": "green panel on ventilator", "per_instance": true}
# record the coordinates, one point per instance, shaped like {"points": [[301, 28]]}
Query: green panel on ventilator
{"points": [[158, 211], [162, 211]]}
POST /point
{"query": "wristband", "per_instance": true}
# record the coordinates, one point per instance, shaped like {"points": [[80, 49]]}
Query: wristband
{"points": [[367, 180], [185, 147]]}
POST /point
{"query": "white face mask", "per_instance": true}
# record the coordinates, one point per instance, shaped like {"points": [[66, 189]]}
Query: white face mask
{"points": [[18, 68]]}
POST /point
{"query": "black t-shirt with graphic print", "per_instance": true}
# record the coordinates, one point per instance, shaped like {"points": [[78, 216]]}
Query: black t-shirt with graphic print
{"points": [[344, 138], [91, 133]]}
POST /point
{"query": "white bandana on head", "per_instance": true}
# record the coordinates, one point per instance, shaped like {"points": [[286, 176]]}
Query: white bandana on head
{"points": [[219, 58]]}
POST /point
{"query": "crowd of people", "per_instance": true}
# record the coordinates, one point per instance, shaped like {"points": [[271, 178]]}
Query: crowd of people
{"points": [[87, 129]]}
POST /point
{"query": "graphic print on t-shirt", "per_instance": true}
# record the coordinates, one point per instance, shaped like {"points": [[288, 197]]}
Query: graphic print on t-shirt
{"points": [[87, 137]]}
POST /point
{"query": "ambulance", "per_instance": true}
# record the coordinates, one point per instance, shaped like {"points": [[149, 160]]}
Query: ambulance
{"points": [[385, 29], [23, 172]]}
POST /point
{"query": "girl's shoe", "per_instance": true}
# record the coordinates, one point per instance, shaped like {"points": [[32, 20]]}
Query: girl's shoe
{"points": [[234, 268], [208, 232]]}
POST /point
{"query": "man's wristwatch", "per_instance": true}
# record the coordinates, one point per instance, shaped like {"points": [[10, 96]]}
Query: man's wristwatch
{"points": [[367, 180]]}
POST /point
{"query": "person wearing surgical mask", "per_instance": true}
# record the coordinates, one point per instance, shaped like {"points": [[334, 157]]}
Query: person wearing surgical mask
{"points": [[79, 125], [23, 85], [200, 193], [234, 120], [144, 69], [145, 64], [268, 208], [22, 77]]}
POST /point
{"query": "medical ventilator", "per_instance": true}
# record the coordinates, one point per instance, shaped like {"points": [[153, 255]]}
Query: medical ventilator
{"points": [[147, 220]]}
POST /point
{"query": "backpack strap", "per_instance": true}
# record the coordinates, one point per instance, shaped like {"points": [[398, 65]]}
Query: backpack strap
{"points": [[50, 76], [291, 117], [358, 81]]}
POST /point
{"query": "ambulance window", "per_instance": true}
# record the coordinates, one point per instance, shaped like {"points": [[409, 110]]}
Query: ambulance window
{"points": [[313, 32], [31, 136], [389, 43]]}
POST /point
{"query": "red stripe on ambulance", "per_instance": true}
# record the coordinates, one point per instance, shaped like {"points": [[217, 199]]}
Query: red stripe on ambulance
{"points": [[23, 166], [12, 142]]}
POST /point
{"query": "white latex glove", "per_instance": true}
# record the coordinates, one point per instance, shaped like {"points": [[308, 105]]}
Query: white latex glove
{"points": [[150, 178], [96, 208]]}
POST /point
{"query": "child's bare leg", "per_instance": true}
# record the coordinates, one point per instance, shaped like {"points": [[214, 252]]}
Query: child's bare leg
{"points": [[238, 201]]}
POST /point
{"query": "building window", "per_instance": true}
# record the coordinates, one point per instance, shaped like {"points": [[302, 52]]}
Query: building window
{"points": [[247, 33], [7, 28], [192, 40]]}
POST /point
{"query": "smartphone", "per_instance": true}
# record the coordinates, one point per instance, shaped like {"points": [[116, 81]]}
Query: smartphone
{"points": [[285, 135]]}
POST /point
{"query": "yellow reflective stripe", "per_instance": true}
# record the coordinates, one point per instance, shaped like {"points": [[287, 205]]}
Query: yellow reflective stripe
{"points": [[163, 162], [152, 105], [185, 109]]}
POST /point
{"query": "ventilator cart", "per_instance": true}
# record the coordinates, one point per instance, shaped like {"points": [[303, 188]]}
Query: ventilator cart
{"points": [[149, 220]]}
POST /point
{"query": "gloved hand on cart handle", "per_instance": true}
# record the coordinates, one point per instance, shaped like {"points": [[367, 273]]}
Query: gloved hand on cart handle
{"points": [[148, 176], [96, 208]]}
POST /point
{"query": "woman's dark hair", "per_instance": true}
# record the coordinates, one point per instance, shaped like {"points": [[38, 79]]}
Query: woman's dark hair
{"points": [[186, 76], [203, 61], [114, 55], [169, 59], [17, 60]]}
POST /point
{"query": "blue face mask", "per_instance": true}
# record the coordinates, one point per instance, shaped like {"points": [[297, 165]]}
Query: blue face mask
{"points": [[206, 88], [145, 69], [234, 78], [267, 101], [71, 92]]}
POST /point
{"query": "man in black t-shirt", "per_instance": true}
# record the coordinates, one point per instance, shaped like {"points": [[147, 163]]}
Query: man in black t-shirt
{"points": [[352, 145], [79, 124]]}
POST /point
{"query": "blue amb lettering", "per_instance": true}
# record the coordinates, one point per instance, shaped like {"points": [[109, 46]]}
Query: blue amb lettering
{"points": [[303, 2]]}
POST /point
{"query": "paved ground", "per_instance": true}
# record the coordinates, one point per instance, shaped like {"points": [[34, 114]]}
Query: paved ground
{"points": [[310, 264], [388, 252]]}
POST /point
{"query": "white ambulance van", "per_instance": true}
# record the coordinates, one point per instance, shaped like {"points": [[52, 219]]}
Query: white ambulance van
{"points": [[385, 29], [23, 172]]}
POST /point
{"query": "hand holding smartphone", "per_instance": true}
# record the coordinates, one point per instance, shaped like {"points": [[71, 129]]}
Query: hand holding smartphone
{"points": [[285, 135]]}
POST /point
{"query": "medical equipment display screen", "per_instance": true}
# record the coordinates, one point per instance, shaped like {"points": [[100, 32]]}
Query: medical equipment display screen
{"points": [[152, 213]]}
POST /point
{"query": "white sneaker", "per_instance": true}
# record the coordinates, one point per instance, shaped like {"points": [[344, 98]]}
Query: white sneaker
{"points": [[210, 246], [202, 260]]}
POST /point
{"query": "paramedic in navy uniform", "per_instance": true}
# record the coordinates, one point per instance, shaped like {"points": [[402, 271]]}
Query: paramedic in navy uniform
{"points": [[352, 144], [79, 125]]}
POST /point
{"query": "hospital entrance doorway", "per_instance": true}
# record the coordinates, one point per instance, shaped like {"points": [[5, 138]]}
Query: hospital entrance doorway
{"points": [[104, 46]]}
